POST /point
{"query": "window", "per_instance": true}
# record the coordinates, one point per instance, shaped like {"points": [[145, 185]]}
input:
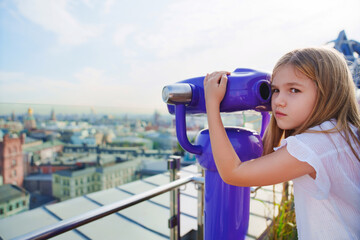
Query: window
{"points": [[10, 207], [1, 211], [66, 182], [13, 163], [57, 179], [14, 173]]}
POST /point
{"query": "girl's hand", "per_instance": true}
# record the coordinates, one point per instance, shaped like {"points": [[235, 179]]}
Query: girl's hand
{"points": [[215, 87]]}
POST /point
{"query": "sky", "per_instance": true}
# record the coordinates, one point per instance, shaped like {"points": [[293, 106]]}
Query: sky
{"points": [[122, 53]]}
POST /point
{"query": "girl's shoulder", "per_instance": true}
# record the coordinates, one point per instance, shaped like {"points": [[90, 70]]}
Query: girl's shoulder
{"points": [[315, 139], [324, 127], [323, 138]]}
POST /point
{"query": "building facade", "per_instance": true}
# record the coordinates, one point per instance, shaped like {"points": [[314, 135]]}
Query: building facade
{"points": [[73, 183], [43, 153], [11, 160], [13, 200]]}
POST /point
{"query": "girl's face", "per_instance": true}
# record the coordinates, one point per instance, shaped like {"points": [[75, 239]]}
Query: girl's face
{"points": [[293, 97]]}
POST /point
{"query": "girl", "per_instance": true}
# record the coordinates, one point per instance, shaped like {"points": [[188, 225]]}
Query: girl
{"points": [[312, 139]]}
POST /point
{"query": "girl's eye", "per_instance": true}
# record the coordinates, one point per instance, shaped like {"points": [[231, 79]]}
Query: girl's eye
{"points": [[294, 90], [274, 90]]}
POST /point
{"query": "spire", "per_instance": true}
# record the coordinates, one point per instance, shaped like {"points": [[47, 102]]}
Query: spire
{"points": [[13, 117], [53, 116]]}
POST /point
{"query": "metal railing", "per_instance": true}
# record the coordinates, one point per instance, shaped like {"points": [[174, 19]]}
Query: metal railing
{"points": [[174, 221]]}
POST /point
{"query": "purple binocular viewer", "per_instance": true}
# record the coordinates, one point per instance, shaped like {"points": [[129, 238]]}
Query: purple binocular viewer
{"points": [[226, 210], [246, 89]]}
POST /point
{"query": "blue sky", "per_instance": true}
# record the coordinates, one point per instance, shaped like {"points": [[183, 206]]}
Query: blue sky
{"points": [[121, 53]]}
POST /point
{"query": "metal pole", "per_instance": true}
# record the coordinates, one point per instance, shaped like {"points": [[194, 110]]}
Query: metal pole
{"points": [[77, 221], [174, 221], [200, 214]]}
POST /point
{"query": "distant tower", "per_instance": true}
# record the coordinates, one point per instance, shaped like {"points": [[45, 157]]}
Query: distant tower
{"points": [[11, 160], [93, 111], [13, 117], [53, 116], [156, 118], [29, 122]]}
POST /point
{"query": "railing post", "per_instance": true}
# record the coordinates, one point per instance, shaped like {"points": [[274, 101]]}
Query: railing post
{"points": [[200, 218], [174, 221]]}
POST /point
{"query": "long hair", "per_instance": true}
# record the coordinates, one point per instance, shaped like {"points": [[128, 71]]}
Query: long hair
{"points": [[335, 95]]}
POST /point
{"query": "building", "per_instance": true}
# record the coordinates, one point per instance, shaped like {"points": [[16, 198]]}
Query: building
{"points": [[11, 126], [146, 220], [11, 159], [89, 137], [70, 148], [131, 141], [42, 153], [73, 183], [29, 121], [53, 116], [39, 183], [13, 200]]}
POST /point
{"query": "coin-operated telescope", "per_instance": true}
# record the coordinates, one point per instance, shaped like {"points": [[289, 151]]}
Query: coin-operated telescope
{"points": [[226, 209]]}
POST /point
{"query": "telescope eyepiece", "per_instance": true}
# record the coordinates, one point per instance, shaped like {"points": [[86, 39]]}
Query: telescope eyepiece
{"points": [[264, 90], [180, 93]]}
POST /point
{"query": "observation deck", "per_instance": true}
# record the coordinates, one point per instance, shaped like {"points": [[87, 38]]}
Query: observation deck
{"points": [[146, 220]]}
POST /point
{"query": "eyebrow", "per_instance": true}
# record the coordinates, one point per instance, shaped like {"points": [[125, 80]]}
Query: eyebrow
{"points": [[290, 84]]}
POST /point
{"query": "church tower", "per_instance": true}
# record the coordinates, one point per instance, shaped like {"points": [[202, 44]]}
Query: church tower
{"points": [[29, 122], [53, 116]]}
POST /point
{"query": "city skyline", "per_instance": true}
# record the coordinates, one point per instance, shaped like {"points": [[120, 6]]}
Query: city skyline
{"points": [[7, 109], [119, 55]]}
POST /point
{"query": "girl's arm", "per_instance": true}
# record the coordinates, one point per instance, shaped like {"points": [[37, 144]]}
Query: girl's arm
{"points": [[273, 168]]}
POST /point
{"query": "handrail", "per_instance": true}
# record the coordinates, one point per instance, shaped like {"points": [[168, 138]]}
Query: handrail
{"points": [[77, 221]]}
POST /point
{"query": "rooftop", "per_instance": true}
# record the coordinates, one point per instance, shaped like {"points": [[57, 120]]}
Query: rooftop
{"points": [[9, 192], [146, 220], [45, 145]]}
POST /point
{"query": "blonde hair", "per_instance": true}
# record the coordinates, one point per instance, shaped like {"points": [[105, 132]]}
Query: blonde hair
{"points": [[335, 94]]}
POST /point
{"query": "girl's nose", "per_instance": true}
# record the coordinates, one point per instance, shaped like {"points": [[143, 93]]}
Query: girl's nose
{"points": [[278, 100]]}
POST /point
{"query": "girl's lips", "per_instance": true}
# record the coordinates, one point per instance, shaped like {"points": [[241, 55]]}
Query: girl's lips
{"points": [[280, 114]]}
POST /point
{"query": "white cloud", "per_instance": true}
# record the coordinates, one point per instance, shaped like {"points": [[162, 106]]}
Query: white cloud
{"points": [[204, 24], [10, 76], [122, 32], [107, 6], [90, 76], [55, 17], [92, 87], [185, 39]]}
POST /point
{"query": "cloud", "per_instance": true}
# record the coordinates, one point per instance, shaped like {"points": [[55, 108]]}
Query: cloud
{"points": [[55, 17], [107, 6], [10, 76], [122, 32], [90, 87], [188, 25]]}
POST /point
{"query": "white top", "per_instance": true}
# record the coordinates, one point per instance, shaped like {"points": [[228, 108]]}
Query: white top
{"points": [[329, 206]]}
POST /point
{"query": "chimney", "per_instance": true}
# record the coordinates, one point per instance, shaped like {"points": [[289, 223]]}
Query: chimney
{"points": [[6, 138], [22, 138]]}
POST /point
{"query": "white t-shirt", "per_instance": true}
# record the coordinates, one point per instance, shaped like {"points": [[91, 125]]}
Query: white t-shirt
{"points": [[327, 207]]}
